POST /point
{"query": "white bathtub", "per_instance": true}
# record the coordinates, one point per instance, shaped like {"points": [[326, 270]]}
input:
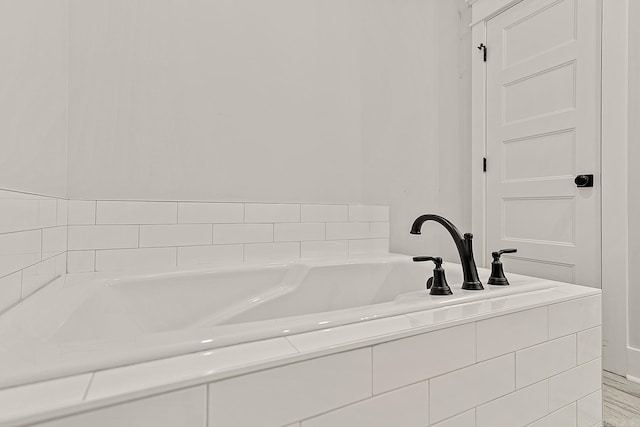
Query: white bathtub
{"points": [[83, 323]]}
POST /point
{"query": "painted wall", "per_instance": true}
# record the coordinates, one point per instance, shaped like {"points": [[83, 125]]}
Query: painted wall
{"points": [[634, 178], [416, 117], [33, 96], [215, 100]]}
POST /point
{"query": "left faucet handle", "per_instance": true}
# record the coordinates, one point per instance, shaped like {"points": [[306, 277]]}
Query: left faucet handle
{"points": [[436, 260]]}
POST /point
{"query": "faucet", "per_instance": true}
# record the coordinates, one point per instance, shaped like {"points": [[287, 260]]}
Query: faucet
{"points": [[464, 245]]}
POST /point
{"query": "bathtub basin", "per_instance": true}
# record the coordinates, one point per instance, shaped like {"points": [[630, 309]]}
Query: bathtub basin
{"points": [[84, 323]]}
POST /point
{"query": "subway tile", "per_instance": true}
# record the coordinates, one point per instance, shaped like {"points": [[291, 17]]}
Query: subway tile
{"points": [[347, 230], [545, 360], [590, 409], [61, 264], [589, 344], [54, 241], [154, 236], [17, 213], [126, 212], [36, 276], [214, 255], [39, 397], [82, 212], [62, 212], [325, 213], [83, 237], [574, 384], [560, 418], [504, 334], [10, 290], [161, 372], [322, 249], [265, 252], [210, 213], [19, 250], [572, 316], [516, 409], [458, 391], [257, 212], [294, 232], [368, 213], [409, 360], [186, 407], [47, 212], [304, 389], [81, 261], [368, 246], [379, 230], [135, 259], [466, 419], [242, 233], [406, 407]]}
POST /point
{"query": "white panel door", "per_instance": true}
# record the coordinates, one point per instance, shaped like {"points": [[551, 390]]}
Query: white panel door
{"points": [[543, 129]]}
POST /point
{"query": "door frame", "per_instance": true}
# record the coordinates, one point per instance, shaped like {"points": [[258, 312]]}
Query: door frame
{"points": [[613, 167]]}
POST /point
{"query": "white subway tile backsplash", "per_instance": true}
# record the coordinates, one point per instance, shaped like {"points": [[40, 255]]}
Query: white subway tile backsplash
{"points": [[545, 360], [574, 384], [516, 409], [347, 230], [572, 316], [186, 407], [81, 261], [47, 212], [589, 345], [504, 334], [325, 213], [590, 409], [214, 255], [210, 213], [292, 232], [368, 213], [19, 250], [379, 229], [10, 292], [154, 236], [466, 388], [466, 419], [265, 252], [368, 246], [563, 417], [135, 259], [17, 212], [84, 237], [319, 249], [62, 212], [406, 407], [36, 276], [82, 212], [125, 212], [242, 233], [290, 393], [54, 241], [282, 212], [413, 359]]}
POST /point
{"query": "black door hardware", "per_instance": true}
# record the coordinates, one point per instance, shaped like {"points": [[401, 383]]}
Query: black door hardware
{"points": [[584, 181]]}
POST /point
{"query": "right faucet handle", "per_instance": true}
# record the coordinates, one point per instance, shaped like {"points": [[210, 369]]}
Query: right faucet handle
{"points": [[497, 272]]}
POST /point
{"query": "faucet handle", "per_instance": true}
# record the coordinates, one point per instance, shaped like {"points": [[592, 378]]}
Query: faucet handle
{"points": [[438, 283], [497, 273]]}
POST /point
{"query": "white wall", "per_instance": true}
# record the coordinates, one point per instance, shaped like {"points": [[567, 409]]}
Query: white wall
{"points": [[215, 100], [33, 96], [416, 117]]}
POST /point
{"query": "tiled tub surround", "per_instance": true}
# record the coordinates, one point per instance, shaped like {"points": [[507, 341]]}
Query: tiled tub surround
{"points": [[125, 235], [33, 244], [527, 359]]}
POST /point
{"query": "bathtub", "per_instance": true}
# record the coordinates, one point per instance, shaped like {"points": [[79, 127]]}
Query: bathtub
{"points": [[86, 324], [336, 338]]}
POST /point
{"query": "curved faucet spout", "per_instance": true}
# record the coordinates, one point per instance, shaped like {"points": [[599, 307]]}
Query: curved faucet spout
{"points": [[464, 244]]}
